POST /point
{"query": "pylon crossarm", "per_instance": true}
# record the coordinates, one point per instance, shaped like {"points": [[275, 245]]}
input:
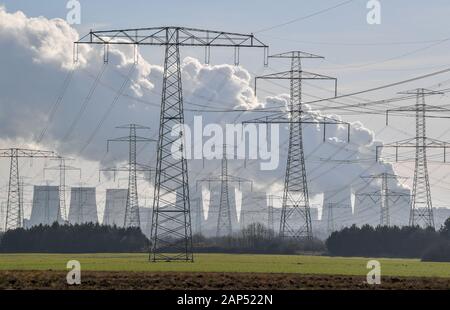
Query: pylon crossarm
{"points": [[279, 118], [158, 36], [136, 126], [28, 153], [296, 54], [172, 36], [412, 143], [375, 197], [296, 75], [126, 168], [63, 168], [424, 108], [287, 75], [229, 178]]}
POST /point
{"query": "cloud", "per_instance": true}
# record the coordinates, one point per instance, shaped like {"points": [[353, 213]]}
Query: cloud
{"points": [[37, 59]]}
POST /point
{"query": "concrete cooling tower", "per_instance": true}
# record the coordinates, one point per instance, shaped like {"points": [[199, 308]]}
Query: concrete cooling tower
{"points": [[45, 208], [83, 205], [210, 227], [341, 200], [145, 215], [197, 215], [440, 216], [116, 201]]}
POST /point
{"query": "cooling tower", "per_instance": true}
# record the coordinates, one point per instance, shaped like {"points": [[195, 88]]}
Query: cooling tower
{"points": [[341, 200], [197, 216], [83, 206], [440, 216], [146, 220], [116, 201], [253, 209], [210, 227], [45, 208]]}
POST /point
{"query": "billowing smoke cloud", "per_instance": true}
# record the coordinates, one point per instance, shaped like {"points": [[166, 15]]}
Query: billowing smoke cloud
{"points": [[36, 63]]}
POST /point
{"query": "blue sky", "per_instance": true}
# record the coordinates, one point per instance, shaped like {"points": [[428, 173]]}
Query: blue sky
{"points": [[342, 34]]}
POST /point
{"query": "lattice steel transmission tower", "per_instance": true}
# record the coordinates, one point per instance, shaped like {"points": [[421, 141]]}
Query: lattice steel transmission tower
{"points": [[296, 197], [224, 227], [384, 194], [62, 168], [14, 204], [421, 210], [271, 211], [132, 218], [171, 221], [330, 218], [269, 199]]}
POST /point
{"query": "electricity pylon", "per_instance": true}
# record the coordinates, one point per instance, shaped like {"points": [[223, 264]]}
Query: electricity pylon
{"points": [[132, 218], [14, 204], [62, 168], [224, 227], [171, 221], [269, 199], [330, 218], [271, 211], [296, 197], [384, 194], [421, 210]]}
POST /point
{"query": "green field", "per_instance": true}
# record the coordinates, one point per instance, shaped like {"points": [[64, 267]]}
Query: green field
{"points": [[318, 265]]}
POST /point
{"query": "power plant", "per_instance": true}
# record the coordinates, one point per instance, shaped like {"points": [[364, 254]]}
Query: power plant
{"points": [[178, 211], [45, 208], [114, 214], [83, 205]]}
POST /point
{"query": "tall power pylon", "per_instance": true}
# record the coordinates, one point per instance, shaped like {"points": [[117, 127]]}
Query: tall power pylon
{"points": [[384, 194], [224, 227], [271, 211], [62, 168], [330, 218], [171, 221], [421, 210], [269, 199], [14, 204], [295, 196], [132, 218]]}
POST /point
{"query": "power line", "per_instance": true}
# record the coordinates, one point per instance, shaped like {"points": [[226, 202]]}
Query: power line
{"points": [[306, 16]]}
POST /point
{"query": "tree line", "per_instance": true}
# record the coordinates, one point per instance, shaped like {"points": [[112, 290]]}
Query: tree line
{"points": [[384, 241], [366, 241], [85, 238], [257, 239]]}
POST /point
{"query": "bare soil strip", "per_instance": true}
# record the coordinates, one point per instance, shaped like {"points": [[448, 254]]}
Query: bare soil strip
{"points": [[102, 280]]}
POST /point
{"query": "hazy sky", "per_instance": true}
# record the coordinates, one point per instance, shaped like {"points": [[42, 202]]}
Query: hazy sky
{"points": [[412, 39]]}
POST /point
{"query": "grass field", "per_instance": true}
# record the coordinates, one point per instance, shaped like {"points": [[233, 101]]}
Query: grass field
{"points": [[312, 265]]}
